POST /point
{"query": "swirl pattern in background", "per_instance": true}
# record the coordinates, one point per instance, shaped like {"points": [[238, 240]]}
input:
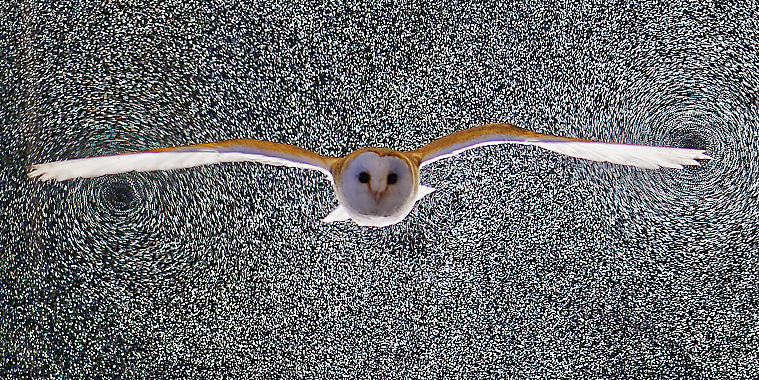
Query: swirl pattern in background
{"points": [[708, 112]]}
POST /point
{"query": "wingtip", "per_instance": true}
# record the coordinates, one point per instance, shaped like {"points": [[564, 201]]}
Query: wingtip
{"points": [[33, 171], [37, 171], [693, 160]]}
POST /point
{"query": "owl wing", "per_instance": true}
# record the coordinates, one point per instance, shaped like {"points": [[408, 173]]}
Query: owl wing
{"points": [[642, 156], [184, 157]]}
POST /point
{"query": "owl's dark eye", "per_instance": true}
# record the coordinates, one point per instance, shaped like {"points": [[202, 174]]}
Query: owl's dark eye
{"points": [[363, 177], [392, 178]]}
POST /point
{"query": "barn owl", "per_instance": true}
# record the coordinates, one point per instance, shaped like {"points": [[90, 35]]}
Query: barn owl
{"points": [[374, 186]]}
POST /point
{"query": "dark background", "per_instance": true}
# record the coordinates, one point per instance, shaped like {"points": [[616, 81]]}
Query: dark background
{"points": [[523, 263]]}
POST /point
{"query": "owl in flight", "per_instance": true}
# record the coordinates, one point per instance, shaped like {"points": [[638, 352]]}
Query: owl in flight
{"points": [[374, 186]]}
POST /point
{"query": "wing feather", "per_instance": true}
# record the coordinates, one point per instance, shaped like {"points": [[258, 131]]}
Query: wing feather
{"points": [[185, 157], [642, 156]]}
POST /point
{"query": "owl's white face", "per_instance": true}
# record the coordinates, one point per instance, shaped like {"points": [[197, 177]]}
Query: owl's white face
{"points": [[377, 188]]}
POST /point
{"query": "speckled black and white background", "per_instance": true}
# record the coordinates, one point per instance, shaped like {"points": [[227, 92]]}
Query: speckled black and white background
{"points": [[524, 263]]}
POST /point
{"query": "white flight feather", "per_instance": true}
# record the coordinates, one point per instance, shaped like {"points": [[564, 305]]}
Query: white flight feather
{"points": [[423, 191], [642, 156], [339, 214], [181, 158]]}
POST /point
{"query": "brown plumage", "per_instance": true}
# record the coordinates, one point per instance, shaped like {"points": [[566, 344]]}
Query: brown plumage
{"points": [[374, 186]]}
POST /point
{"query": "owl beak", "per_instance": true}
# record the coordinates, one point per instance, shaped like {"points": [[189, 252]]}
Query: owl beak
{"points": [[376, 194]]}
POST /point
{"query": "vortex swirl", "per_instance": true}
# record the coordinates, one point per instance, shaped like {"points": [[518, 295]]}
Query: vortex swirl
{"points": [[712, 114]]}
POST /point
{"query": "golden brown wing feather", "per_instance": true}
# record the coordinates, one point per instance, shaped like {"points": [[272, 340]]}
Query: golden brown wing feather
{"points": [[184, 157], [642, 156]]}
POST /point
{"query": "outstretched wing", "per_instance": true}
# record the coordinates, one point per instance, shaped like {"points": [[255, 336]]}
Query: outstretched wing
{"points": [[642, 156], [184, 157]]}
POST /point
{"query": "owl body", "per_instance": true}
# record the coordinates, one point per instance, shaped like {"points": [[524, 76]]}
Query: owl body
{"points": [[373, 186], [376, 186]]}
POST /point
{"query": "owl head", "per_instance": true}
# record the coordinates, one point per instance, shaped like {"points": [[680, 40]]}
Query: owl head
{"points": [[377, 185]]}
